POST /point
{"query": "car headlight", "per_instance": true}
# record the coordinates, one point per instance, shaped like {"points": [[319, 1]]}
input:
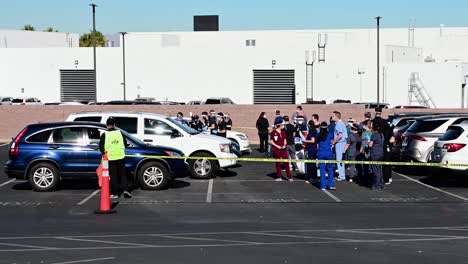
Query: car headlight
{"points": [[225, 148], [173, 153], [242, 136]]}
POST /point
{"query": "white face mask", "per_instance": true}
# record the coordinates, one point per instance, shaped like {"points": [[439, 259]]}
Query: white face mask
{"points": [[300, 122]]}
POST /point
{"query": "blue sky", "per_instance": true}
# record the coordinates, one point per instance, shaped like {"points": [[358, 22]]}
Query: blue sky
{"points": [[176, 15]]}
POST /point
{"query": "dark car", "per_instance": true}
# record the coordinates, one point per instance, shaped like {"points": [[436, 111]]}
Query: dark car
{"points": [[218, 100], [46, 153]]}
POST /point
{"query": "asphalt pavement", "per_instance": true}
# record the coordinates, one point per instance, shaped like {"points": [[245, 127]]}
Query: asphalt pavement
{"points": [[241, 216]]}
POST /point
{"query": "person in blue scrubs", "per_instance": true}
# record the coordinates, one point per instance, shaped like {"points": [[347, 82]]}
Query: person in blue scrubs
{"points": [[324, 141], [339, 141]]}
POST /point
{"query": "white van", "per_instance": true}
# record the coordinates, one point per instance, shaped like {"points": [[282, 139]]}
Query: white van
{"points": [[156, 129]]}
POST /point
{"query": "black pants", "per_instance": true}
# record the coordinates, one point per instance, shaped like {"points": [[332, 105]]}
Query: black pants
{"points": [[387, 169], [263, 142], [118, 177], [312, 167]]}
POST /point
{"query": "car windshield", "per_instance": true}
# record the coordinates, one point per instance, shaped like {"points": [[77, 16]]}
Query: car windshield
{"points": [[17, 101], [132, 138], [187, 129], [421, 126], [452, 133]]}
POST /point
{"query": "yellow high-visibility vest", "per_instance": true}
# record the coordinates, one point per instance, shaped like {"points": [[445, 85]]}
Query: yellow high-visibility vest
{"points": [[114, 145]]}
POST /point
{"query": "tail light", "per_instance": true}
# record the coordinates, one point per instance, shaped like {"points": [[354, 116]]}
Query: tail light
{"points": [[399, 137], [14, 149], [416, 138], [453, 147]]}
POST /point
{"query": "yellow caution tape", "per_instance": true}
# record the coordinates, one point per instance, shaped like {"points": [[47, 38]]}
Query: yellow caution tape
{"points": [[390, 163]]}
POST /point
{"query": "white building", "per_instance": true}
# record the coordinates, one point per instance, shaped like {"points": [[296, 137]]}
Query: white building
{"points": [[38, 39], [183, 66]]}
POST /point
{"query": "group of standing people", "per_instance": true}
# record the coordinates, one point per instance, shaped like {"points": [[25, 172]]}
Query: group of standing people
{"points": [[216, 123], [296, 138]]}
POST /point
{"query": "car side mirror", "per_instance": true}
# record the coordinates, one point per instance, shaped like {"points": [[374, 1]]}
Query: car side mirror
{"points": [[175, 134]]}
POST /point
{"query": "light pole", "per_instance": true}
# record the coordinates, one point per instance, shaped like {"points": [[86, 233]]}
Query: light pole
{"points": [[123, 65], [361, 72], [309, 62], [94, 50], [378, 60]]}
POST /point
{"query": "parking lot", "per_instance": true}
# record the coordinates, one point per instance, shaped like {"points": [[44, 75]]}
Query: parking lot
{"points": [[240, 216]]}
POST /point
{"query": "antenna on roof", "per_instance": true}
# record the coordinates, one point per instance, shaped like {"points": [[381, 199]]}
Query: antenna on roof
{"points": [[411, 27]]}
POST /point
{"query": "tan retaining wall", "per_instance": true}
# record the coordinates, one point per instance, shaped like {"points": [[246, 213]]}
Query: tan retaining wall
{"points": [[14, 118]]}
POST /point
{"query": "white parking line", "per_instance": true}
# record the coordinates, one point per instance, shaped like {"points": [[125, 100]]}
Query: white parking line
{"points": [[23, 245], [332, 196], [209, 193], [210, 239], [88, 197], [7, 182], [399, 234], [104, 242], [287, 243], [84, 260], [295, 236], [2, 145], [432, 187]]}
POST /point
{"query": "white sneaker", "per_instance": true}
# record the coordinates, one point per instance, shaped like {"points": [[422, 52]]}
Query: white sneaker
{"points": [[389, 181], [278, 179], [290, 179], [127, 194], [113, 196]]}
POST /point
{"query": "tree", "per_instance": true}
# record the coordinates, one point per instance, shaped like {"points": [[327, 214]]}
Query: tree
{"points": [[28, 27], [50, 29], [86, 40]]}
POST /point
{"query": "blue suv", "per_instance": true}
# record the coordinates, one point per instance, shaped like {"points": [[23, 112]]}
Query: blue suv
{"points": [[45, 153]]}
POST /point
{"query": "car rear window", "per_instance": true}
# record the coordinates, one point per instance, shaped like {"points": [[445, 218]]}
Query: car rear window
{"points": [[213, 101], [452, 133], [405, 127], [41, 137], [128, 124], [89, 119], [17, 101], [421, 126]]}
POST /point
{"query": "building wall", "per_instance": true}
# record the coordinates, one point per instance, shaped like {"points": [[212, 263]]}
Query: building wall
{"points": [[38, 39], [184, 66], [38, 71]]}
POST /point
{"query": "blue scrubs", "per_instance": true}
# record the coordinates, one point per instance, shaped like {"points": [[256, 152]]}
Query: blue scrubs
{"points": [[325, 153], [340, 128]]}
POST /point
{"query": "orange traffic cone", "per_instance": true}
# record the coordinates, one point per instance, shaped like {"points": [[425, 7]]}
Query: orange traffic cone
{"points": [[104, 180]]}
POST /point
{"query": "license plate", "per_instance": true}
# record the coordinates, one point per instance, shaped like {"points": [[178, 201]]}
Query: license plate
{"points": [[437, 154]]}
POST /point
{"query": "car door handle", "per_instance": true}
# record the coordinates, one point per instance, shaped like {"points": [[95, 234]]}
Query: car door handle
{"points": [[147, 140], [54, 147]]}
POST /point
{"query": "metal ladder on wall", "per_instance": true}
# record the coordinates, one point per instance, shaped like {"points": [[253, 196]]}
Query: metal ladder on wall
{"points": [[417, 93]]}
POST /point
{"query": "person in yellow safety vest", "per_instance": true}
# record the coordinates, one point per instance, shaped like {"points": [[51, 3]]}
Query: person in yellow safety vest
{"points": [[113, 142]]}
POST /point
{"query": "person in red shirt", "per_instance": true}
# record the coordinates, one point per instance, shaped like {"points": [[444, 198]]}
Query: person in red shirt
{"points": [[279, 147]]}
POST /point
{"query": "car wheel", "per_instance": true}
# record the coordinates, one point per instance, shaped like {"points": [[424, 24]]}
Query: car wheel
{"points": [[233, 140], [153, 176], [203, 168], [43, 177]]}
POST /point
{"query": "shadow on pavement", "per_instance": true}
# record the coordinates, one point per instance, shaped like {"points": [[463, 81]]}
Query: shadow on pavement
{"points": [[179, 184], [226, 173]]}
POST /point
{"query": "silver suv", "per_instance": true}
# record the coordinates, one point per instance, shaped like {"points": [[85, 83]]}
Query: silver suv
{"points": [[419, 139]]}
